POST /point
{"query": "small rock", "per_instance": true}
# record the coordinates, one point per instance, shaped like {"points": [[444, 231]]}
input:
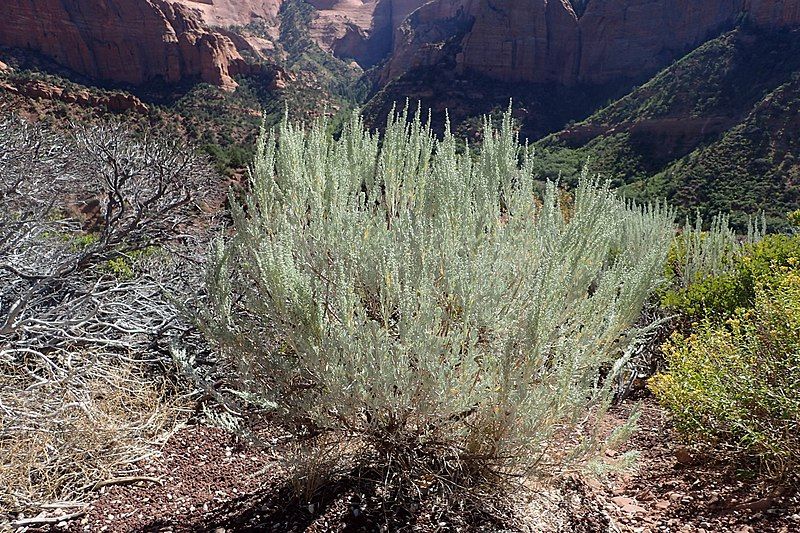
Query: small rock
{"points": [[633, 509], [683, 456], [645, 496], [662, 505], [621, 501], [593, 483]]}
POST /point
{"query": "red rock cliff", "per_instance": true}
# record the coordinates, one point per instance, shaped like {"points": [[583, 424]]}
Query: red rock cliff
{"points": [[128, 41], [360, 29], [546, 41]]}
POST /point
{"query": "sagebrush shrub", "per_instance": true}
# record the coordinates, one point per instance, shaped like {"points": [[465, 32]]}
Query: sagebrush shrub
{"points": [[697, 253], [396, 289]]}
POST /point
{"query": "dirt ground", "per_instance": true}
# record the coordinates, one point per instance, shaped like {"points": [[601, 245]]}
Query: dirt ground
{"points": [[207, 480]]}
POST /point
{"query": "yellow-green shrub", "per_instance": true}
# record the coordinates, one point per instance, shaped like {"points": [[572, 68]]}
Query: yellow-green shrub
{"points": [[794, 219], [737, 383], [718, 295]]}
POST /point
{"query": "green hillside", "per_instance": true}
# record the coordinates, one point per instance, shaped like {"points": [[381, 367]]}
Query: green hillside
{"points": [[715, 131]]}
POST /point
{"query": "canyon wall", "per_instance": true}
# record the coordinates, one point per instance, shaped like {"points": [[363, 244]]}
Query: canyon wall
{"points": [[545, 41], [359, 29], [124, 41], [538, 41]]}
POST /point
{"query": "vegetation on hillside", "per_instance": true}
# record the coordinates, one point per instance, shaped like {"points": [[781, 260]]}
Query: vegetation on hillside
{"points": [[715, 132], [405, 309]]}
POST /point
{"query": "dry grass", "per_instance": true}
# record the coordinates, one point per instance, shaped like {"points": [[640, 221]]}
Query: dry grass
{"points": [[69, 422]]}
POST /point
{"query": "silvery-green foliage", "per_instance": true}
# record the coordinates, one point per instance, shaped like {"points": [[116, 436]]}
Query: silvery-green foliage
{"points": [[711, 253], [396, 288]]}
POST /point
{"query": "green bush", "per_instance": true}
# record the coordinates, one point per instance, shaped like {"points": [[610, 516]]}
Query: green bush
{"points": [[395, 291], [737, 384], [718, 293]]}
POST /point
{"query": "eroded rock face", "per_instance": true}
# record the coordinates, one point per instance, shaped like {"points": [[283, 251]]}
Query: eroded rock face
{"points": [[234, 12], [546, 41], [359, 29], [422, 39], [535, 38], [626, 38], [115, 102], [127, 41], [774, 12], [137, 41]]}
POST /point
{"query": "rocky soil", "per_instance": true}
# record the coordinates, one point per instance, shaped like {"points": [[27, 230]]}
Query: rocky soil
{"points": [[208, 480]]}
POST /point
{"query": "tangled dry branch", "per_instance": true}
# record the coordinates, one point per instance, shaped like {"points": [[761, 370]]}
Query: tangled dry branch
{"points": [[93, 225]]}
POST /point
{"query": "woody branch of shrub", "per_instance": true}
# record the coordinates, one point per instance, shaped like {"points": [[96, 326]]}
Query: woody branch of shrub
{"points": [[81, 299]]}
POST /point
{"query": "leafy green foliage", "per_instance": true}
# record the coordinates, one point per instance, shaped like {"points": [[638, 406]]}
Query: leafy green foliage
{"points": [[410, 294], [228, 158], [737, 383], [794, 219], [718, 294]]}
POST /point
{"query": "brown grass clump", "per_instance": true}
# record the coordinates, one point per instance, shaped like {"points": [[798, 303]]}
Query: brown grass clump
{"points": [[70, 422]]}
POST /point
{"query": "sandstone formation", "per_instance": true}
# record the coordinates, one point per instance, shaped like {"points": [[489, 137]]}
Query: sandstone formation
{"points": [[538, 41], [227, 13], [359, 29], [624, 39], [124, 41], [139, 41], [539, 36], [774, 12], [546, 41], [115, 102], [228, 16]]}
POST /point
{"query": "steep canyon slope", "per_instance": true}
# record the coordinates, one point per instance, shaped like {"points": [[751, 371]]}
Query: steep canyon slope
{"points": [[546, 41]]}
